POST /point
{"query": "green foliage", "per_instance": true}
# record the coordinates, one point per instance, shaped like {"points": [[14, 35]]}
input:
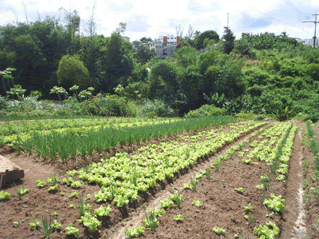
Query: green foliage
{"points": [[219, 230], [313, 71], [70, 230], [4, 195], [158, 108], [199, 40], [269, 231], [206, 110], [34, 224], [229, 38], [72, 71], [90, 222], [276, 203], [134, 232], [179, 217]]}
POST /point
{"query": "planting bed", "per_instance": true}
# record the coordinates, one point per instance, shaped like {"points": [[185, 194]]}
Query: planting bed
{"points": [[118, 182]]}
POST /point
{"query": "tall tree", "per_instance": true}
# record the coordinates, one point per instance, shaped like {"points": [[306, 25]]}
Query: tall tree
{"points": [[229, 38]]}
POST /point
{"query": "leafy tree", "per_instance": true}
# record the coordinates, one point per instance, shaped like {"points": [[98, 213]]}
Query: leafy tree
{"points": [[72, 71], [115, 65], [229, 38], [144, 54], [121, 28], [145, 39], [199, 40]]}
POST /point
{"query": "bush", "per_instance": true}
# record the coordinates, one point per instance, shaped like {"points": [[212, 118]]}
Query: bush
{"points": [[72, 71], [206, 110], [3, 102], [313, 71], [156, 108]]}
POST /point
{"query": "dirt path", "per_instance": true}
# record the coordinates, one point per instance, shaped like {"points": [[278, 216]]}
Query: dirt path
{"points": [[294, 226]]}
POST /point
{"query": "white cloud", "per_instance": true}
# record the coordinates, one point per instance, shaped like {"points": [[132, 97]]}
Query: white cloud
{"points": [[161, 17]]}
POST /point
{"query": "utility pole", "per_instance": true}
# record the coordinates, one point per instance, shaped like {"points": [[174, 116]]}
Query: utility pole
{"points": [[314, 37]]}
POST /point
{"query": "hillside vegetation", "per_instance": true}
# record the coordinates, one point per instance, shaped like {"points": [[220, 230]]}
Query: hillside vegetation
{"points": [[263, 74]]}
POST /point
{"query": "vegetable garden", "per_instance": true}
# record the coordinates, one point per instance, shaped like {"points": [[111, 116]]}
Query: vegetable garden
{"points": [[214, 177]]}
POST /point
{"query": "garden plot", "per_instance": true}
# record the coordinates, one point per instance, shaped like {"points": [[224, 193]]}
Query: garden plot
{"points": [[243, 196], [89, 189]]}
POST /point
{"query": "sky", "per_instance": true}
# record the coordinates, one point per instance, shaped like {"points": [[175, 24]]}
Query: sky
{"points": [[152, 19]]}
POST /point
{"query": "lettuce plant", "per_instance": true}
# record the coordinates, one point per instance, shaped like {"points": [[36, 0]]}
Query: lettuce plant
{"points": [[219, 230], [178, 217], [167, 203], [269, 231], [90, 222], [5, 195], [34, 224], [134, 232], [70, 230], [40, 183], [197, 203], [276, 203], [103, 211]]}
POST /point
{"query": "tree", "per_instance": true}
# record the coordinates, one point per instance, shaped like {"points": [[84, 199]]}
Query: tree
{"points": [[229, 38], [72, 71], [121, 28], [199, 40], [115, 65], [145, 39], [144, 54]]}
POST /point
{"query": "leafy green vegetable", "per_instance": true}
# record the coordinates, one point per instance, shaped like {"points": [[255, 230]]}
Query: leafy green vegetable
{"points": [[178, 217], [53, 188], [219, 230], [40, 183], [197, 203], [90, 222], [103, 211], [70, 230], [34, 224], [269, 231], [134, 232], [5, 195], [276, 203]]}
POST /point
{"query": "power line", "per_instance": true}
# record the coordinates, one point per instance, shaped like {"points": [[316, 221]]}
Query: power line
{"points": [[315, 22], [295, 8]]}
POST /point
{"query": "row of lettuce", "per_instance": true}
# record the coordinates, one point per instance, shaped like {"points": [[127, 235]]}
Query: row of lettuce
{"points": [[277, 143]]}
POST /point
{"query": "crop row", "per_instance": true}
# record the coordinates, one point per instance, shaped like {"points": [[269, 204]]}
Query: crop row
{"points": [[122, 177], [76, 142], [27, 128], [11, 139]]}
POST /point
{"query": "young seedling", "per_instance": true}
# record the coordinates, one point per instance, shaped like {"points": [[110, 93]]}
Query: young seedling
{"points": [[178, 217], [192, 185], [240, 190], [47, 227], [40, 183], [197, 203], [151, 221], [219, 230], [208, 173], [178, 198], [21, 192], [16, 224]]}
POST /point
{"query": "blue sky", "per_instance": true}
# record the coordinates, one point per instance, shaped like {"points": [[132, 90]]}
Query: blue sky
{"points": [[151, 19]]}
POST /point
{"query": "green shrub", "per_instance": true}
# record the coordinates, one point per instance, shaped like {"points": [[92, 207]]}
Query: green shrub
{"points": [[3, 102], [156, 108], [72, 71], [206, 110], [313, 70]]}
